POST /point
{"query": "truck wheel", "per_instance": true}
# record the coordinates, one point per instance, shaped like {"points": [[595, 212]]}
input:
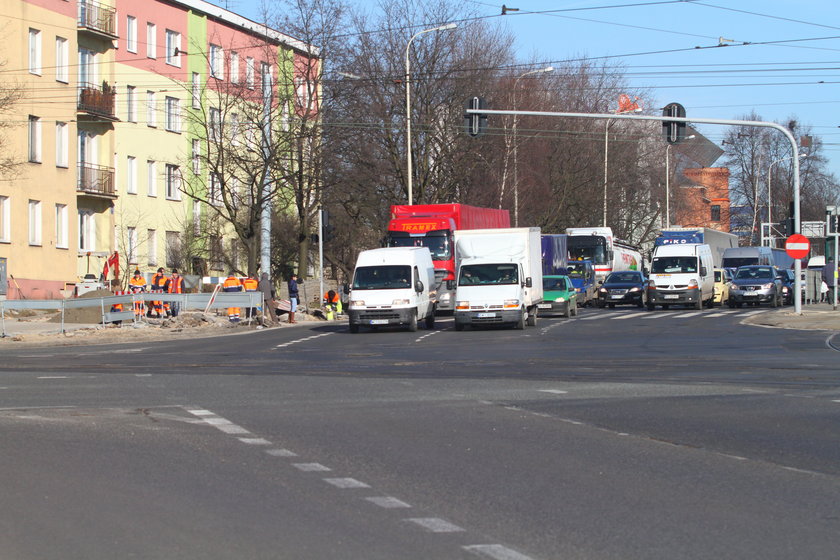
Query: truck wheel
{"points": [[412, 323], [459, 326], [520, 325], [698, 305], [354, 328], [532, 318]]}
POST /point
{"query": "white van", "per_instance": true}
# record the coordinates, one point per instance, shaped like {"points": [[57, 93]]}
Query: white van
{"points": [[392, 286], [682, 275]]}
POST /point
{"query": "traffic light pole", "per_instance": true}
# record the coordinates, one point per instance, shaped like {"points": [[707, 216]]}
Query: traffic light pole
{"points": [[726, 122]]}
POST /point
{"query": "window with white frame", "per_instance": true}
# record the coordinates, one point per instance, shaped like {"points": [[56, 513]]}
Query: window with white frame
{"points": [[61, 226], [173, 248], [61, 144], [131, 103], [151, 40], [35, 51], [131, 234], [265, 75], [173, 48], [151, 108], [249, 72], [173, 114], [87, 230], [151, 178], [151, 246], [34, 139], [196, 90], [196, 217], [303, 94], [234, 67], [5, 219], [131, 34], [217, 62], [131, 175], [215, 124], [196, 156], [173, 182], [214, 197], [35, 222], [62, 60], [234, 129]]}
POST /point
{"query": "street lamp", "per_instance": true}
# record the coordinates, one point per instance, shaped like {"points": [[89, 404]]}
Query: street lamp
{"points": [[668, 182], [515, 143], [408, 104], [606, 153]]}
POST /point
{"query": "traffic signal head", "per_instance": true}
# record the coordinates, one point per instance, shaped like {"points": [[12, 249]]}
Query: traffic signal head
{"points": [[475, 123], [674, 132]]}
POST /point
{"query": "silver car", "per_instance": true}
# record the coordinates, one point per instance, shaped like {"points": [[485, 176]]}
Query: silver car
{"points": [[755, 285]]}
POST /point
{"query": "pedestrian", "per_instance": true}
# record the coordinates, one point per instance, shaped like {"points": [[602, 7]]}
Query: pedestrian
{"points": [[829, 276], [160, 283], [232, 284], [176, 286], [250, 284], [293, 297], [137, 285], [823, 291], [269, 296]]}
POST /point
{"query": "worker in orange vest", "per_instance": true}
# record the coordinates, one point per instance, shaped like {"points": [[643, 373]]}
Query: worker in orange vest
{"points": [[176, 286], [250, 284], [232, 284], [136, 285], [159, 283]]}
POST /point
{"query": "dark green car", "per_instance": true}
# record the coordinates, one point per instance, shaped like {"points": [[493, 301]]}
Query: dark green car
{"points": [[559, 296]]}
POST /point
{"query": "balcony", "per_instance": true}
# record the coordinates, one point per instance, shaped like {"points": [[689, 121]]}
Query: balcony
{"points": [[96, 180], [97, 101], [98, 19]]}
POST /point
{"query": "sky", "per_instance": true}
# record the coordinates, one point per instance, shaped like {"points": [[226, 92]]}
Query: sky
{"points": [[720, 59]]}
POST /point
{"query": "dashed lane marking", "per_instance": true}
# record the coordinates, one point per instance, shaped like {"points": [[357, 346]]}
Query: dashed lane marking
{"points": [[310, 467], [427, 335], [255, 441], [436, 524], [281, 453], [306, 339], [346, 483], [388, 502], [552, 391], [495, 552]]}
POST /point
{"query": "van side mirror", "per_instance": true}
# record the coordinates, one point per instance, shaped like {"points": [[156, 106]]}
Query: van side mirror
{"points": [[703, 271], [528, 282], [418, 286], [346, 288], [450, 284]]}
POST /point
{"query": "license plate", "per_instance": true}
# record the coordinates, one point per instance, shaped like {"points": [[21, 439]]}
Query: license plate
{"points": [[671, 296], [750, 294], [620, 297], [544, 306], [485, 315], [379, 321]]}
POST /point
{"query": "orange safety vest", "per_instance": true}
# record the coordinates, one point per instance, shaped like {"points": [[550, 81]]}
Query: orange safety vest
{"points": [[176, 285], [327, 297], [137, 284], [250, 285], [158, 281], [232, 284]]}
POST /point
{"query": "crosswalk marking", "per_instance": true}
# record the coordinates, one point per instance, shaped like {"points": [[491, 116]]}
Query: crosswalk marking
{"points": [[706, 314], [630, 315]]}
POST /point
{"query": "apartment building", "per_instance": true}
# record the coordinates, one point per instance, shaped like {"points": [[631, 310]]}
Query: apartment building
{"points": [[115, 109]]}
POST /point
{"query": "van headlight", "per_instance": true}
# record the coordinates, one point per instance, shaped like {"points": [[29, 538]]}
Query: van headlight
{"points": [[400, 302], [357, 303], [511, 303], [692, 284], [464, 305], [560, 300]]}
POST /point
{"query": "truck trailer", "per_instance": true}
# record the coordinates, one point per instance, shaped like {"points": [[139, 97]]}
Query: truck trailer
{"points": [[433, 226], [718, 241]]}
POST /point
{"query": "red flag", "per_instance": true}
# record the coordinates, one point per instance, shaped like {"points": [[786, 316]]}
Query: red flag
{"points": [[627, 105], [113, 263]]}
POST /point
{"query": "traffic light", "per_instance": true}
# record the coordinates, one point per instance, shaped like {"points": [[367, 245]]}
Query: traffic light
{"points": [[674, 132], [475, 123]]}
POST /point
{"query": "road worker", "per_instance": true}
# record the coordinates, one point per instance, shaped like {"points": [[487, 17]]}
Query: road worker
{"points": [[176, 286], [232, 284], [332, 304], [250, 284], [160, 283], [136, 285]]}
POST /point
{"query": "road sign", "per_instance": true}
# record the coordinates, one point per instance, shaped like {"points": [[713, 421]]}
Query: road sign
{"points": [[797, 246]]}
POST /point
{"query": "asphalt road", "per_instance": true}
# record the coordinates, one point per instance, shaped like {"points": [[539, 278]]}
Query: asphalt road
{"points": [[621, 434]]}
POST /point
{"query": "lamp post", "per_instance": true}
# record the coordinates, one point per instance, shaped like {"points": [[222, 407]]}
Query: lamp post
{"points": [[606, 154], [409, 169], [516, 142], [769, 175]]}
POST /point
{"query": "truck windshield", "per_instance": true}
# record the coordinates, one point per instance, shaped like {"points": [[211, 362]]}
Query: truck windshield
{"points": [[587, 248], [438, 245], [578, 270], [382, 277], [673, 265], [738, 262], [482, 274]]}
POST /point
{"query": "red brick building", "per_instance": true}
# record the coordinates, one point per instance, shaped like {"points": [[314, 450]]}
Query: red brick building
{"points": [[702, 198]]}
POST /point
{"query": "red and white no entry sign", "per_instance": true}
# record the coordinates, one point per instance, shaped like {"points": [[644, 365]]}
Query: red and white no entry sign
{"points": [[797, 246]]}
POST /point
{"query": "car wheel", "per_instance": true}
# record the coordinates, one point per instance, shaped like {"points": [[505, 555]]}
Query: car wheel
{"points": [[574, 311], [412, 323], [531, 320], [730, 304], [459, 326], [354, 328], [698, 305], [601, 304]]}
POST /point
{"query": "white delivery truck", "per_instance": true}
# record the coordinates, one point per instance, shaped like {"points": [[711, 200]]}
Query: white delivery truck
{"points": [[499, 274], [392, 286], [681, 275]]}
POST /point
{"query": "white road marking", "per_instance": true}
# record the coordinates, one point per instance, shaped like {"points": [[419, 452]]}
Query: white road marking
{"points": [[835, 401], [687, 315], [552, 391], [233, 429], [311, 467], [436, 525], [298, 341], [255, 441], [428, 335], [346, 483], [591, 318], [629, 315], [751, 313], [495, 551], [53, 377], [281, 453], [388, 502], [200, 412], [658, 315], [217, 422]]}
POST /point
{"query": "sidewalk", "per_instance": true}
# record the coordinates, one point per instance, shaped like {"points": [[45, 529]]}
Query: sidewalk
{"points": [[816, 316]]}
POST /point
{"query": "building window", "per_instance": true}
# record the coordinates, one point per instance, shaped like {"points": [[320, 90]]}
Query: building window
{"points": [[216, 258], [234, 67], [249, 72], [151, 178], [196, 156], [151, 246], [151, 108], [34, 139], [173, 114], [217, 62], [173, 48], [61, 226], [62, 60], [131, 103], [196, 217], [132, 245], [234, 129], [265, 75], [151, 40], [34, 51], [87, 230], [215, 124], [61, 145], [196, 90], [131, 175], [173, 248], [131, 34], [715, 212], [214, 197], [35, 222], [303, 94], [5, 217], [173, 182]]}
